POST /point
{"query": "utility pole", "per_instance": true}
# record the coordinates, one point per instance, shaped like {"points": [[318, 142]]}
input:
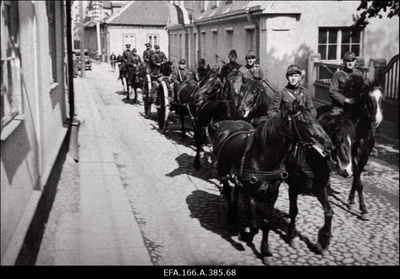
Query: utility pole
{"points": [[98, 5], [82, 36]]}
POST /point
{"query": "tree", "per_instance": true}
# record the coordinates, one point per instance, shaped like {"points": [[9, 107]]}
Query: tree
{"points": [[372, 9]]}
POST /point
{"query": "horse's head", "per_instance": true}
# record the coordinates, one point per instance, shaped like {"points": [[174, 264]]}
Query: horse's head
{"points": [[368, 104], [342, 133], [210, 89], [167, 68], [253, 97], [234, 83], [306, 130]]}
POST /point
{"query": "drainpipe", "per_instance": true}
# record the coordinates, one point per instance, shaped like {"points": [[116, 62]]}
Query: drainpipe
{"points": [[254, 21], [73, 149]]}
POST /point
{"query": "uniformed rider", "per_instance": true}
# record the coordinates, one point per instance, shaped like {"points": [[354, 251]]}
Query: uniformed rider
{"points": [[134, 60], [126, 55], [231, 65], [346, 83], [179, 75], [291, 92], [146, 57], [251, 70], [156, 60]]}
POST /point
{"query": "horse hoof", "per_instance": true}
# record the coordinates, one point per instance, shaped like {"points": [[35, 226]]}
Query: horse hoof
{"points": [[268, 260], [365, 217], [321, 250], [295, 243], [245, 237]]}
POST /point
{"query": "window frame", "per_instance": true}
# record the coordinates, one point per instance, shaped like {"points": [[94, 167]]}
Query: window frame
{"points": [[339, 52], [150, 39], [11, 82], [52, 28]]}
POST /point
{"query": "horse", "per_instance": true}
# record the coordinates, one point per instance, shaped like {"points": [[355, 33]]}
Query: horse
{"points": [[134, 79], [213, 105], [252, 159], [366, 114], [309, 173], [255, 101]]}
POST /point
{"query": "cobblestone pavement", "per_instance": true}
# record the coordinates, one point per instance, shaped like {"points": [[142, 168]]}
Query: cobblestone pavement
{"points": [[182, 215]]}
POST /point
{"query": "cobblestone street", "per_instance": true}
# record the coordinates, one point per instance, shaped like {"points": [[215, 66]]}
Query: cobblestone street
{"points": [[183, 217]]}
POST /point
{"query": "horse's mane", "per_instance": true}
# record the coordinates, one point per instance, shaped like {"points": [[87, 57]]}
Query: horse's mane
{"points": [[334, 123], [271, 130]]}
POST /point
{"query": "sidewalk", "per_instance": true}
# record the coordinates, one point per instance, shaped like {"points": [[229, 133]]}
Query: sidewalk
{"points": [[101, 229]]}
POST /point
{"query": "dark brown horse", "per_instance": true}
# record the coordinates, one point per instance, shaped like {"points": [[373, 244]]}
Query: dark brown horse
{"points": [[216, 102], [309, 173], [366, 114], [252, 159]]}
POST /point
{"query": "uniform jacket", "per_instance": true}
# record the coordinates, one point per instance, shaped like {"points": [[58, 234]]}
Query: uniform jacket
{"points": [[158, 57], [180, 75], [345, 84], [250, 73], [126, 55], [146, 55], [134, 60], [286, 97], [201, 72], [229, 67]]}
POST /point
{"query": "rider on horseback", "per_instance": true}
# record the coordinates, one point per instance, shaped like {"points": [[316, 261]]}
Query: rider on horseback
{"points": [[156, 60], [146, 57], [251, 70], [346, 84], [126, 55], [231, 65], [292, 91], [179, 75]]}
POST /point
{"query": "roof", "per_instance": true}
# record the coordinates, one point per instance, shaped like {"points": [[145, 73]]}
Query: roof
{"points": [[152, 13], [227, 9]]}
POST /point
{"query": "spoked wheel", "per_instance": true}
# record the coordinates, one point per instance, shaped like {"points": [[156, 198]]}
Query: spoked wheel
{"points": [[146, 97], [163, 111]]}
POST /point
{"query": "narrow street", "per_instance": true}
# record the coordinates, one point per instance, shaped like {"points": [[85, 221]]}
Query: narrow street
{"points": [[181, 213]]}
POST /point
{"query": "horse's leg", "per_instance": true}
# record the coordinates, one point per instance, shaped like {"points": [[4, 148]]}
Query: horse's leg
{"points": [[231, 195], [324, 234], [249, 204], [271, 197], [198, 141], [182, 118], [293, 234], [135, 91], [357, 185]]}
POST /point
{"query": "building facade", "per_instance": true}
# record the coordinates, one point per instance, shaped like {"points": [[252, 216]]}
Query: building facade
{"points": [[282, 33], [136, 23], [34, 112]]}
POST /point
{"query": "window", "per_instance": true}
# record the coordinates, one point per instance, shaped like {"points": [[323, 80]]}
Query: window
{"points": [[51, 18], [229, 37], [334, 42], [250, 39], [11, 89], [129, 39], [153, 39]]}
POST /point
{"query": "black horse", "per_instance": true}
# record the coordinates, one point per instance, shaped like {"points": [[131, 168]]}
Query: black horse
{"points": [[216, 101], [309, 173], [252, 159], [366, 114], [134, 79]]}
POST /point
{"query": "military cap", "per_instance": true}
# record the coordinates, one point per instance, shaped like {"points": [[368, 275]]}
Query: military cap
{"points": [[251, 55], [349, 56], [128, 45], [182, 62], [134, 50], [156, 46], [293, 69], [147, 44], [233, 53]]}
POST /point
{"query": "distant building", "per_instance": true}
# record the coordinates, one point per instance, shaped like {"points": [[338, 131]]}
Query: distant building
{"points": [[137, 23]]}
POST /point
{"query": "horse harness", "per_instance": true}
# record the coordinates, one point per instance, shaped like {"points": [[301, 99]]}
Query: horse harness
{"points": [[252, 175]]}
